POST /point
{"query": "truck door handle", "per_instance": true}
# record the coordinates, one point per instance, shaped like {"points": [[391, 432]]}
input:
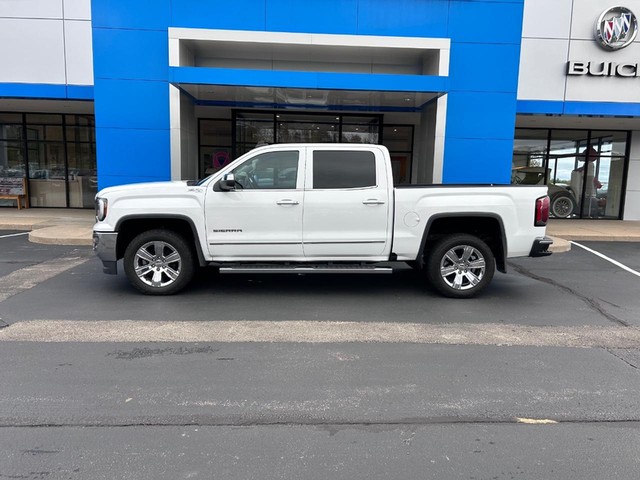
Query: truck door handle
{"points": [[287, 201], [373, 201]]}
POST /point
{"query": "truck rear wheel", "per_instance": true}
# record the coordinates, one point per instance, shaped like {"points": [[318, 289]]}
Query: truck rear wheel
{"points": [[159, 262], [460, 266]]}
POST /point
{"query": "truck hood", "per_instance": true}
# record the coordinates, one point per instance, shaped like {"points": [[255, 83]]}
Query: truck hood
{"points": [[145, 189]]}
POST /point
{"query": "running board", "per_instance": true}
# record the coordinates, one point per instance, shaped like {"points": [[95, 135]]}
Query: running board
{"points": [[305, 269]]}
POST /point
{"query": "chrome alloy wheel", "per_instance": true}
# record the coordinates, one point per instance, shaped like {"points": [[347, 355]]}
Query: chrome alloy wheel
{"points": [[157, 264], [462, 267]]}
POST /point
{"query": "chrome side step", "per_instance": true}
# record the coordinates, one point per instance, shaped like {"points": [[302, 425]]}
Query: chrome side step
{"points": [[305, 269]]}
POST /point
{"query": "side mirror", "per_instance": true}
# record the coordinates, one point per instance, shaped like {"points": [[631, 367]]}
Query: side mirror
{"points": [[228, 182]]}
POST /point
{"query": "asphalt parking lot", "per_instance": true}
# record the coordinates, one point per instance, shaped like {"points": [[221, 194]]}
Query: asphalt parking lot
{"points": [[202, 406], [574, 288]]}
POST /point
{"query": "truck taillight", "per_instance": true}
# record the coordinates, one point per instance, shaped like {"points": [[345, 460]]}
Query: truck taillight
{"points": [[542, 211]]}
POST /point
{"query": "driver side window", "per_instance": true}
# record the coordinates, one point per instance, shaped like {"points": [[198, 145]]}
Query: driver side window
{"points": [[268, 171]]}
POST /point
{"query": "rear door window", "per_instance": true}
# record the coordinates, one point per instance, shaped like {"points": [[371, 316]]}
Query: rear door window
{"points": [[343, 169]]}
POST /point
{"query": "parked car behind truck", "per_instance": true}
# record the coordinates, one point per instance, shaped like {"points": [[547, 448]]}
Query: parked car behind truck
{"points": [[317, 208], [562, 198]]}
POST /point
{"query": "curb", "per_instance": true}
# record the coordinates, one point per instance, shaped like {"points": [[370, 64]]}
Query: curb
{"points": [[25, 227], [560, 245], [60, 235]]}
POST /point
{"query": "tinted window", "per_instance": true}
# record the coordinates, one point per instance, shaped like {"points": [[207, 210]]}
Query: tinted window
{"points": [[273, 170], [343, 169]]}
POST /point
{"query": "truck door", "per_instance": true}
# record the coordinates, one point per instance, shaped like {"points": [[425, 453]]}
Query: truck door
{"points": [[347, 204], [262, 216]]}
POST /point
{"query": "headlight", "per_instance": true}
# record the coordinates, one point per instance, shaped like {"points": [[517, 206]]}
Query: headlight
{"points": [[101, 208]]}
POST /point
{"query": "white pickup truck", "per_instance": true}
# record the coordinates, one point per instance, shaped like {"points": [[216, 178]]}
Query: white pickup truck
{"points": [[317, 208]]}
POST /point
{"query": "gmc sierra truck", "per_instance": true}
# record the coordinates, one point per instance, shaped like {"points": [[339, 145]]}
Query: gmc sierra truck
{"points": [[317, 208]]}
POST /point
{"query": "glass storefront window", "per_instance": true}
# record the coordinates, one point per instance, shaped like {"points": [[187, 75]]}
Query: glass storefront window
{"points": [[213, 159], [253, 129], [584, 169], [43, 119], [58, 156], [529, 153], [83, 177], [220, 144], [80, 134], [11, 159], [215, 132], [292, 131], [566, 154], [10, 132], [44, 133], [215, 145], [609, 143], [360, 129], [47, 174]]}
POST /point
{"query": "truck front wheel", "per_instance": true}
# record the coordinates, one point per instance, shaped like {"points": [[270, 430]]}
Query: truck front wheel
{"points": [[159, 262], [460, 266]]}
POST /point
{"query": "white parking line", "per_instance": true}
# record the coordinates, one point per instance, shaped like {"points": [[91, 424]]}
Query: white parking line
{"points": [[611, 260], [28, 277], [14, 235]]}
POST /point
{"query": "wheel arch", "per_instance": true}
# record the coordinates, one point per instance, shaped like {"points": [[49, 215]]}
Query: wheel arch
{"points": [[129, 226], [489, 227]]}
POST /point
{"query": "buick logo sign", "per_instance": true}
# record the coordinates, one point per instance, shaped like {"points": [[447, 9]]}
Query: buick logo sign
{"points": [[616, 28]]}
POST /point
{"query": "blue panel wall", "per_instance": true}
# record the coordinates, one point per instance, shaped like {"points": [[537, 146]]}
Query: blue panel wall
{"points": [[228, 15], [405, 18], [131, 63], [485, 54], [130, 42], [329, 16], [135, 155]]}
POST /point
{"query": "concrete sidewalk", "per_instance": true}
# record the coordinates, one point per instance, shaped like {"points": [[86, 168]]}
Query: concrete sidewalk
{"points": [[63, 226], [57, 226]]}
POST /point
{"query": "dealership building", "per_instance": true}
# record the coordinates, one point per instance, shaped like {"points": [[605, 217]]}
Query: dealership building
{"points": [[106, 92]]}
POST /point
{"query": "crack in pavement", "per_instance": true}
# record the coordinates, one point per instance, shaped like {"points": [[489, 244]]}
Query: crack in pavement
{"points": [[216, 422], [590, 302], [620, 357]]}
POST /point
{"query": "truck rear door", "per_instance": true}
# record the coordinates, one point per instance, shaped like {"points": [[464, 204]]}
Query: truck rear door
{"points": [[346, 204]]}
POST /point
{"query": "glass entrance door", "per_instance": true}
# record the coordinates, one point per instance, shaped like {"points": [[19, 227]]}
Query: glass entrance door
{"points": [[252, 128], [221, 141]]}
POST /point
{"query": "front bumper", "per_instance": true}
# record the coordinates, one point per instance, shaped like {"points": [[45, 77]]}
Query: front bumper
{"points": [[104, 244], [540, 247]]}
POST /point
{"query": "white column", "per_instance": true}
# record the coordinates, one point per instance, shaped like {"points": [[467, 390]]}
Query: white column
{"points": [[176, 134]]}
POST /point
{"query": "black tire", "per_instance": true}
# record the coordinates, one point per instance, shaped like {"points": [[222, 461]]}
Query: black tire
{"points": [[562, 206], [164, 259], [479, 266]]}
